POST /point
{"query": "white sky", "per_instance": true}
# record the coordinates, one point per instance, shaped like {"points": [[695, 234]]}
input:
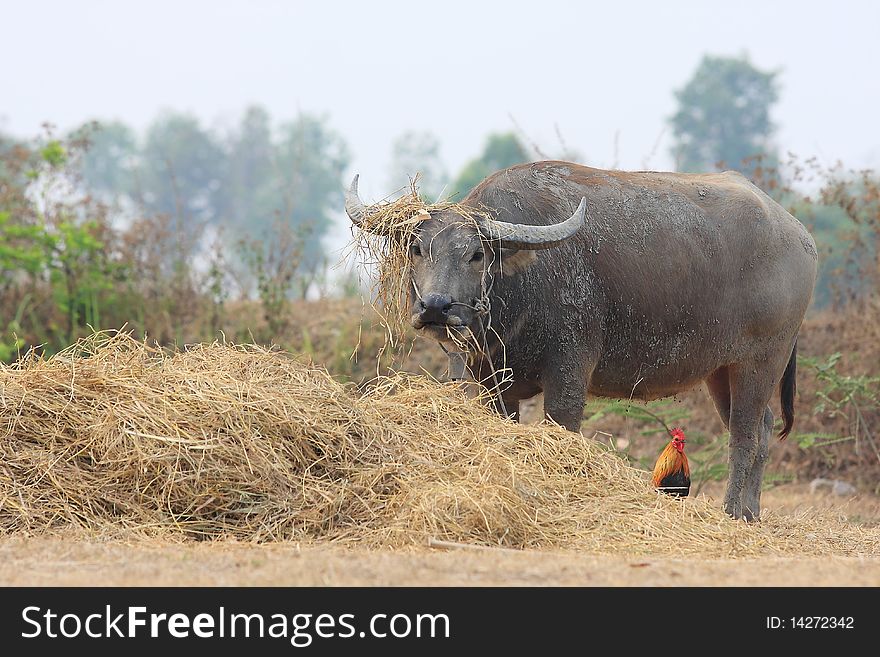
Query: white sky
{"points": [[459, 69]]}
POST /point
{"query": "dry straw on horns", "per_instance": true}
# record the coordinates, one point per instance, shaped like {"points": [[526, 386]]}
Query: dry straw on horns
{"points": [[383, 241], [112, 437]]}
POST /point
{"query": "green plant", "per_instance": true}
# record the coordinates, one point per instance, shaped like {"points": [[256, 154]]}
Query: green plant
{"points": [[19, 246], [55, 265], [216, 286], [856, 399], [707, 454], [11, 345], [663, 412], [79, 271], [275, 263]]}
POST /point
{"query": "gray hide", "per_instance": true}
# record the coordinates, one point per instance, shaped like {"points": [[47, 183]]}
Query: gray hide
{"points": [[675, 279]]}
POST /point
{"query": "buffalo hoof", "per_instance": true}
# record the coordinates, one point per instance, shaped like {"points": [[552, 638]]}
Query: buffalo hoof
{"points": [[733, 509]]}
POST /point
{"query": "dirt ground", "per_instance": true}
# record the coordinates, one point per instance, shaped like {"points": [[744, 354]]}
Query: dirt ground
{"points": [[39, 561]]}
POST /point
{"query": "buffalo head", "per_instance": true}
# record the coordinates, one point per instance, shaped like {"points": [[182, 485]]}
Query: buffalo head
{"points": [[453, 259]]}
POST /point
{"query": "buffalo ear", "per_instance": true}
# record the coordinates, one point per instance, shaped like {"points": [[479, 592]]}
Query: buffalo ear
{"points": [[513, 261]]}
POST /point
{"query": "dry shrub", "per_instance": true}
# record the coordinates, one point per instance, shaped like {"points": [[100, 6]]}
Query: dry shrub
{"points": [[112, 438]]}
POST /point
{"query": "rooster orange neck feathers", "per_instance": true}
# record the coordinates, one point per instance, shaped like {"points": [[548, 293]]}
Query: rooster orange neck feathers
{"points": [[672, 473]]}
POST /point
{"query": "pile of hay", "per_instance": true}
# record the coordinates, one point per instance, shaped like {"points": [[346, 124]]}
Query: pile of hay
{"points": [[114, 438]]}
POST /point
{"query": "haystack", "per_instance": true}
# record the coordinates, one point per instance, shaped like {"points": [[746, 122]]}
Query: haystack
{"points": [[115, 438]]}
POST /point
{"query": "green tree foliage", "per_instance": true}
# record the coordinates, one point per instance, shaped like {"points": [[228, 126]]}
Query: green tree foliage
{"points": [[19, 248], [723, 115], [843, 215], [274, 261], [857, 195], [6, 142], [80, 271], [53, 259], [247, 180], [108, 165], [310, 160], [417, 153], [246, 196], [181, 170], [500, 151], [832, 230]]}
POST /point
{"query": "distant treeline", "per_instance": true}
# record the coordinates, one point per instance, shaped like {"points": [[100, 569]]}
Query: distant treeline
{"points": [[179, 231]]}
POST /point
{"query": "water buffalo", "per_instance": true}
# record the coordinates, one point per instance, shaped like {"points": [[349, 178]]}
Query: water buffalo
{"points": [[624, 285]]}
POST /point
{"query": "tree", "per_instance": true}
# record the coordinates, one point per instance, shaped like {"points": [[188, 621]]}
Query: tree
{"points": [[55, 259], [182, 167], [248, 196], [308, 183], [724, 115], [417, 152], [501, 151], [7, 143], [109, 162]]}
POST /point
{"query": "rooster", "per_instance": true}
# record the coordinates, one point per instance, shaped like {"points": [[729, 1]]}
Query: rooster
{"points": [[672, 474]]}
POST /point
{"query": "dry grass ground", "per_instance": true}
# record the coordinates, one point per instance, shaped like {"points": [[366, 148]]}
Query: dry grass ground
{"points": [[56, 560]]}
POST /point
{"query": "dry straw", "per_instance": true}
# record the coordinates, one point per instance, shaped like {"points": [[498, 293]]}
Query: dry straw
{"points": [[383, 244], [112, 438]]}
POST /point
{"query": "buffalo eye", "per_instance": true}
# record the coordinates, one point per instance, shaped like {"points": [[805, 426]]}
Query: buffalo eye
{"points": [[416, 251], [477, 257]]}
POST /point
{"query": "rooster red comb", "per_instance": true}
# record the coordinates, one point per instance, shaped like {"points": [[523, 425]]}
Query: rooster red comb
{"points": [[677, 434]]}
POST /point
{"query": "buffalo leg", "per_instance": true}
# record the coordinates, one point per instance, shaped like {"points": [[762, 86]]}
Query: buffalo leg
{"points": [[751, 385], [565, 391], [569, 412], [719, 389], [754, 481], [507, 406]]}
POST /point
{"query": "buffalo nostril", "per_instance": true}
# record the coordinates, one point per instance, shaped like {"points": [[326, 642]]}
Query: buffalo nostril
{"points": [[435, 308]]}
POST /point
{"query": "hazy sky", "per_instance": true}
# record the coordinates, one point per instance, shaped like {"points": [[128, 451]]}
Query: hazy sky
{"points": [[459, 69]]}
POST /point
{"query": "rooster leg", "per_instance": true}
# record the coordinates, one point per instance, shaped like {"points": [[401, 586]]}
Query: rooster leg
{"points": [[752, 492]]}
